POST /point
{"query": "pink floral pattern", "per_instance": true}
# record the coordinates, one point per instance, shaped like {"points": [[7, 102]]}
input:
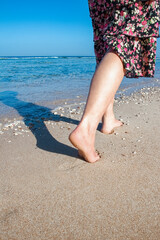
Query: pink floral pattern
{"points": [[130, 28]]}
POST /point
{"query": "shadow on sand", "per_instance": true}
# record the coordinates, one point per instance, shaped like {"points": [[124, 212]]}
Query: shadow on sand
{"points": [[34, 117]]}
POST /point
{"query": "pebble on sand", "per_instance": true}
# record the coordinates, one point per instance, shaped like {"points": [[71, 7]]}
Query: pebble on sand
{"points": [[134, 152]]}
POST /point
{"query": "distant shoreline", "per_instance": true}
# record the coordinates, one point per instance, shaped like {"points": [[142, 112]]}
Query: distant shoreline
{"points": [[49, 57]]}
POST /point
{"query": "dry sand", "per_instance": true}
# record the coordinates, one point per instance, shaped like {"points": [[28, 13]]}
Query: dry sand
{"points": [[47, 192]]}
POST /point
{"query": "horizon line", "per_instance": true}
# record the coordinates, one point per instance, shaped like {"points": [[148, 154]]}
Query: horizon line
{"points": [[47, 56], [56, 56]]}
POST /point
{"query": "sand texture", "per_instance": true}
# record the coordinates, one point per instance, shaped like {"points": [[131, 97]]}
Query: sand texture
{"points": [[48, 193]]}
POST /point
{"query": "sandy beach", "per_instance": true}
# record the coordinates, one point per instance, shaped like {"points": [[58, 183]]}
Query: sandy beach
{"points": [[48, 193]]}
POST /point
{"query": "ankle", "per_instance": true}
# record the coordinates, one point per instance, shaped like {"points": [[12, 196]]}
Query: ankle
{"points": [[109, 116], [88, 125]]}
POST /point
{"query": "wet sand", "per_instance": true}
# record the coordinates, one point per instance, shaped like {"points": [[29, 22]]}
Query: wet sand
{"points": [[48, 192]]}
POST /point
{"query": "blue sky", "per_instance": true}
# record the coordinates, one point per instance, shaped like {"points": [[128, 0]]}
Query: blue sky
{"points": [[48, 27]]}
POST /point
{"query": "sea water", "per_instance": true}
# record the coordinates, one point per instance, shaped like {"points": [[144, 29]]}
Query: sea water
{"points": [[52, 81]]}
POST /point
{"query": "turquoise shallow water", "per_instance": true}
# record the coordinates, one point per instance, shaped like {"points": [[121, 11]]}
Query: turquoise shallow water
{"points": [[48, 81]]}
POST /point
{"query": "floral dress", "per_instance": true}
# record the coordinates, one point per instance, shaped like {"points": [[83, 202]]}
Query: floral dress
{"points": [[130, 28]]}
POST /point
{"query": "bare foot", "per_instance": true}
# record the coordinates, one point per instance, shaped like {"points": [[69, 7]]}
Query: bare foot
{"points": [[84, 143], [109, 124]]}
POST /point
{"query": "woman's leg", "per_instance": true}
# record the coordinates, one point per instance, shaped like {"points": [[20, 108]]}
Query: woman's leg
{"points": [[109, 122], [104, 85]]}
